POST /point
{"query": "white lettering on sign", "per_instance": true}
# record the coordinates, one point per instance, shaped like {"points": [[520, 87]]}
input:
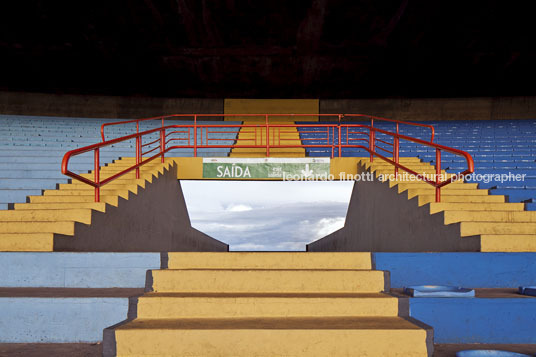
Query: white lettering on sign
{"points": [[233, 172]]}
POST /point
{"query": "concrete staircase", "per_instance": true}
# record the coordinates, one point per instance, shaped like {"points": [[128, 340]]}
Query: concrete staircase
{"points": [[500, 226], [277, 136], [31, 226], [268, 304]]}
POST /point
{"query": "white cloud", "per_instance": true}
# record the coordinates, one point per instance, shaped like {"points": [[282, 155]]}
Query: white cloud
{"points": [[329, 225], [239, 208]]}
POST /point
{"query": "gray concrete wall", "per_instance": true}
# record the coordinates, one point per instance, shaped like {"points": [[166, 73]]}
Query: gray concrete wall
{"points": [[379, 219], [154, 220], [483, 108], [91, 106]]}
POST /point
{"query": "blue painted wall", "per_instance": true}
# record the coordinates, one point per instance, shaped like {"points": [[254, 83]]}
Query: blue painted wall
{"points": [[478, 320], [76, 270], [58, 320], [472, 270]]}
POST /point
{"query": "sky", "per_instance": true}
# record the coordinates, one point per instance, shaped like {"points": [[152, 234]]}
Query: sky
{"points": [[267, 215]]}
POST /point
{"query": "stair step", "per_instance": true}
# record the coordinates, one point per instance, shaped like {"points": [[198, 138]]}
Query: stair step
{"points": [[129, 185], [110, 199], [181, 305], [97, 206], [508, 242], [474, 206], [77, 215], [478, 228], [91, 193], [269, 260], [268, 281], [452, 192], [487, 216], [60, 227], [272, 337], [422, 185], [35, 242], [424, 199]]}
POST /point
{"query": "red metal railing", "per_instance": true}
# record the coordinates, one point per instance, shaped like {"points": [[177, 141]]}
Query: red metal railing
{"points": [[266, 136]]}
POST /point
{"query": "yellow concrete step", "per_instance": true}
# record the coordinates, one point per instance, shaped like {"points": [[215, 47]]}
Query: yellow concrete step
{"points": [[133, 159], [457, 185], [263, 150], [411, 165], [475, 206], [279, 154], [448, 192], [48, 215], [97, 206], [130, 161], [424, 199], [109, 199], [60, 227], [28, 242], [508, 243], [490, 216], [423, 185], [104, 191], [479, 228], [131, 176], [130, 185], [181, 305], [365, 160], [308, 337], [269, 260], [145, 169], [405, 175], [268, 281]]}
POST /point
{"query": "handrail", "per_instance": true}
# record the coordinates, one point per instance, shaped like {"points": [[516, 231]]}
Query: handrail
{"points": [[372, 118], [269, 142], [195, 116], [437, 183]]}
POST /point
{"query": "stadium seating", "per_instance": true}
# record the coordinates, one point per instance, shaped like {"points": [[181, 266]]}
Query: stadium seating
{"points": [[31, 149], [497, 146]]}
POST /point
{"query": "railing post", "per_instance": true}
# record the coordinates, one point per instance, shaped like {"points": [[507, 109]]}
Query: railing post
{"points": [[195, 135], [396, 150], [267, 137], [163, 143], [372, 137], [340, 137], [138, 149], [96, 174], [438, 173], [332, 140]]}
